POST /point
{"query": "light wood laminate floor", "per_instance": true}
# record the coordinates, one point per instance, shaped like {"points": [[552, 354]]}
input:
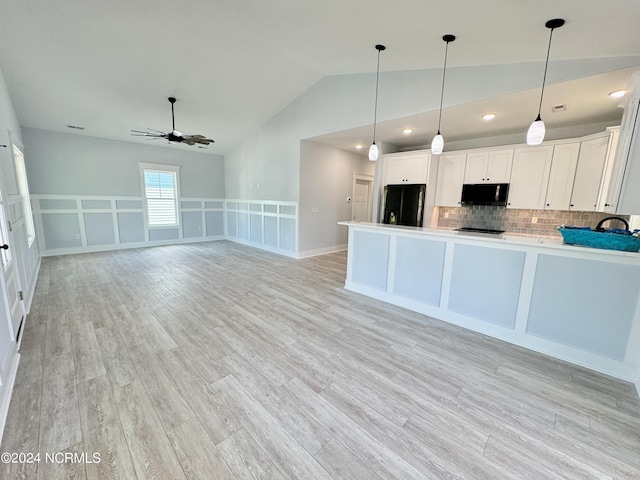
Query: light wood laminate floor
{"points": [[219, 361]]}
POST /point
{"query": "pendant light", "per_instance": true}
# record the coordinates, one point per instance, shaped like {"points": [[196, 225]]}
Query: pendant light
{"points": [[535, 134], [437, 144], [373, 150]]}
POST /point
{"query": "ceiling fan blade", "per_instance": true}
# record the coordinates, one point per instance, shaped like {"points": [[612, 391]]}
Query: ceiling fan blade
{"points": [[157, 131], [175, 136], [199, 139]]}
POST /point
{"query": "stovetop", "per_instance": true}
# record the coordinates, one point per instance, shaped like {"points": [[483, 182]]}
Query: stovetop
{"points": [[480, 230]]}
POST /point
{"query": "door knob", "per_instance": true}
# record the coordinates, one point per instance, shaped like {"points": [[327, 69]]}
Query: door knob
{"points": [[5, 247]]}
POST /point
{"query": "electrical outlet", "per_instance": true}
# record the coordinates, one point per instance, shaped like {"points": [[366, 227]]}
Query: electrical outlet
{"points": [[446, 214], [314, 210], [534, 219]]}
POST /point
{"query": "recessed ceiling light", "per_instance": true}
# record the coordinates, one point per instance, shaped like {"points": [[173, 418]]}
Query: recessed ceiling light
{"points": [[489, 116], [359, 147], [617, 94], [407, 131]]}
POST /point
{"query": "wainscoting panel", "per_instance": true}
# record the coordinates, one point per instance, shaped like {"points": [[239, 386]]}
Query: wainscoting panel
{"points": [[267, 224], [76, 223]]}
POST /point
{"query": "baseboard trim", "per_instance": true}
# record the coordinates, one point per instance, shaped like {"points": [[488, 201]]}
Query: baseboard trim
{"points": [[108, 248], [262, 246], [322, 251], [6, 391]]}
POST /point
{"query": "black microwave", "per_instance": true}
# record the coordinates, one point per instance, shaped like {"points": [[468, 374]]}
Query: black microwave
{"points": [[485, 194]]}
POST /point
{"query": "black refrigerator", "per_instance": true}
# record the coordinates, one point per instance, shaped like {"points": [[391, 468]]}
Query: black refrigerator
{"points": [[404, 204]]}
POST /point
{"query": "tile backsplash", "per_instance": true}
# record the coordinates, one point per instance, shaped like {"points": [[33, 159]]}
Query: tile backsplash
{"points": [[519, 221]]}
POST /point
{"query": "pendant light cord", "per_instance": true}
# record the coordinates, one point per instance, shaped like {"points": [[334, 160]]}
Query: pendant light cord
{"points": [[444, 72], [544, 77], [375, 108]]}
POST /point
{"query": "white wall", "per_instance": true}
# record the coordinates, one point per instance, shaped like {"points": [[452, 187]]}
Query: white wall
{"points": [[326, 180], [88, 193], [72, 164]]}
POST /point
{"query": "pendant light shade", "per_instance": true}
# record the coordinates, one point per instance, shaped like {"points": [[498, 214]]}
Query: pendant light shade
{"points": [[373, 149], [535, 134], [437, 144]]}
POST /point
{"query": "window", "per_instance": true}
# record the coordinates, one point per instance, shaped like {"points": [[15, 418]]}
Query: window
{"points": [[23, 188], [160, 184]]}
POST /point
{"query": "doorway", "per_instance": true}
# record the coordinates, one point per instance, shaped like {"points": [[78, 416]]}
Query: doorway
{"points": [[362, 198], [10, 281]]}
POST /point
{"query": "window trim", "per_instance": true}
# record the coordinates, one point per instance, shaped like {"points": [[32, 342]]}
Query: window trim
{"points": [[163, 168]]}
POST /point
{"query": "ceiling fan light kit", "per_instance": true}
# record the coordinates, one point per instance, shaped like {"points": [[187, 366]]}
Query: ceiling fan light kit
{"points": [[175, 136], [373, 150], [537, 130], [437, 144]]}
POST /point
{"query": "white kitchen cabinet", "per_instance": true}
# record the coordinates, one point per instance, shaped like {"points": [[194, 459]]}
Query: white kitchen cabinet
{"points": [[611, 172], [530, 177], [586, 185], [620, 193], [493, 166], [451, 167], [561, 176], [406, 167]]}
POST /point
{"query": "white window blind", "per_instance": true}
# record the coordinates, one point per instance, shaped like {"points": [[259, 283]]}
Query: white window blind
{"points": [[161, 195]]}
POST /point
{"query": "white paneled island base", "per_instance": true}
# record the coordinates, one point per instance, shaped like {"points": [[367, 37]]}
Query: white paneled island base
{"points": [[577, 304]]}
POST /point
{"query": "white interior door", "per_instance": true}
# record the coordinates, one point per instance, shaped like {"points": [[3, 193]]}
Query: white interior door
{"points": [[10, 279], [361, 203]]}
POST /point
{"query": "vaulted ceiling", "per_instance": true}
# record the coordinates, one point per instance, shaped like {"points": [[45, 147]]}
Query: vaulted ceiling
{"points": [[110, 66]]}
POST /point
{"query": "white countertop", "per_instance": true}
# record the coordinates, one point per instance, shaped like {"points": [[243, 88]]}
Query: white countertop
{"points": [[505, 239]]}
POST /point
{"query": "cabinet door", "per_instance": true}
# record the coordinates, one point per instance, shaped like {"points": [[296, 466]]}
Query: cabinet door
{"points": [[450, 178], [529, 177], [476, 168], [608, 192], [627, 193], [586, 186], [416, 168], [499, 166], [563, 172], [395, 168]]}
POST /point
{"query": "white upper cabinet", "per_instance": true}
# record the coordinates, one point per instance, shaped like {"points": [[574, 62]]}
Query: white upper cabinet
{"points": [[592, 173], [620, 192], [409, 167], [476, 169], [612, 175], [563, 172], [530, 177], [489, 167], [499, 166], [451, 168], [586, 186]]}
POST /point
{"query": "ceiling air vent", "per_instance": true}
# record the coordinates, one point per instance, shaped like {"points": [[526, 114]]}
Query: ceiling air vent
{"points": [[559, 108]]}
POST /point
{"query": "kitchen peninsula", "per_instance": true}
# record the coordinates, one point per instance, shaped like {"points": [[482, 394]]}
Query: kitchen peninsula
{"points": [[574, 303]]}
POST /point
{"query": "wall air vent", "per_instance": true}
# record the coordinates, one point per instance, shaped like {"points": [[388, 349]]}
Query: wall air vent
{"points": [[75, 127]]}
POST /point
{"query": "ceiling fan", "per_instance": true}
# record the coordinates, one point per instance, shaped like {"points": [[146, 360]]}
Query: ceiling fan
{"points": [[174, 136]]}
